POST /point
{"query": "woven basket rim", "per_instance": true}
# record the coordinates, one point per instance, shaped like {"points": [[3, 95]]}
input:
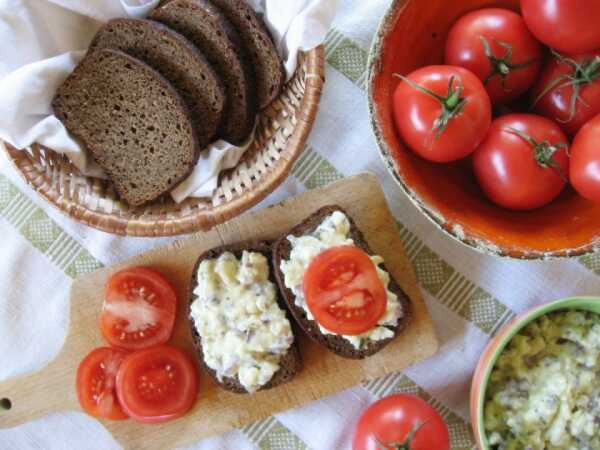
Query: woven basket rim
{"points": [[200, 219]]}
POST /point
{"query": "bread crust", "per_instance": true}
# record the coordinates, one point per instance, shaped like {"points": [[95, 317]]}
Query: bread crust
{"points": [[174, 57], [260, 48], [205, 26], [290, 363], [335, 343]]}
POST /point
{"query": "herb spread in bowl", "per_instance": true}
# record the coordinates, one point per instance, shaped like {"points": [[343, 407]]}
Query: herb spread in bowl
{"points": [[544, 391]]}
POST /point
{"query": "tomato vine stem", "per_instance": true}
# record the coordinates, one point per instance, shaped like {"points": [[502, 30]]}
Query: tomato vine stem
{"points": [[502, 66], [542, 151], [452, 104], [401, 445], [582, 74]]}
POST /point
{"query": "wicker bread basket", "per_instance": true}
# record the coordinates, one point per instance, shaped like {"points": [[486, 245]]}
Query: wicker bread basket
{"points": [[280, 138]]}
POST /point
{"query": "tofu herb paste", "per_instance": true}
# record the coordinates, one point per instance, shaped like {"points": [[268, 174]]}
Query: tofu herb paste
{"points": [[244, 331], [332, 232], [544, 392]]}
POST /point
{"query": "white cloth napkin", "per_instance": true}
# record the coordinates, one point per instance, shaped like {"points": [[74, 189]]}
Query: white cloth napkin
{"points": [[45, 39]]}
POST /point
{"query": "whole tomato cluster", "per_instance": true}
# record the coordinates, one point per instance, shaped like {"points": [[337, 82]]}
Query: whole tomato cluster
{"points": [[512, 93]]}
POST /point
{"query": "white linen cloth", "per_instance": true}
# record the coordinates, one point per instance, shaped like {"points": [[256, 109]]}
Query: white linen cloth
{"points": [[35, 277], [47, 38]]}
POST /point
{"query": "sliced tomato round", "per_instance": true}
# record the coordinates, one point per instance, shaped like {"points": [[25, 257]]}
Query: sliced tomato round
{"points": [[157, 384], [96, 383], [343, 291], [139, 309]]}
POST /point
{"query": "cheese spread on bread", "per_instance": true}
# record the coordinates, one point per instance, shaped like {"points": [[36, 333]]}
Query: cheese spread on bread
{"points": [[332, 232], [244, 332]]}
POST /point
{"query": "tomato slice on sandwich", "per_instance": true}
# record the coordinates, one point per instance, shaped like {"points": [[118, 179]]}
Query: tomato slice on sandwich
{"points": [[139, 309], [96, 383], [343, 291], [157, 384]]}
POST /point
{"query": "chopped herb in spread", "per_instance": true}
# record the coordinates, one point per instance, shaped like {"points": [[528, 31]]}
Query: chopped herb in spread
{"points": [[544, 391]]}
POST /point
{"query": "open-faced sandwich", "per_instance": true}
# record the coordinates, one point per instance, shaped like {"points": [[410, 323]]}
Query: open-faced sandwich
{"points": [[336, 288], [239, 323]]}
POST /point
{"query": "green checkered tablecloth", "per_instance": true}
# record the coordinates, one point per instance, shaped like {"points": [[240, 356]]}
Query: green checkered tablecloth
{"points": [[470, 295]]}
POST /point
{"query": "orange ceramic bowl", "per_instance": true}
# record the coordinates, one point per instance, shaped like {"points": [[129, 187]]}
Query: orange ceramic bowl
{"points": [[412, 35], [496, 346]]}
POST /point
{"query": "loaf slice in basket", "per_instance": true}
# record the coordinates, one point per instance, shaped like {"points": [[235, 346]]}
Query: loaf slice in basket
{"points": [[179, 61], [239, 323], [266, 62], [331, 227], [209, 30], [133, 122]]}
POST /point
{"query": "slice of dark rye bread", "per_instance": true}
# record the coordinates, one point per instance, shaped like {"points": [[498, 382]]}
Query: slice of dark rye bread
{"points": [[133, 122], [178, 60], [290, 363], [268, 67], [336, 343], [208, 29]]}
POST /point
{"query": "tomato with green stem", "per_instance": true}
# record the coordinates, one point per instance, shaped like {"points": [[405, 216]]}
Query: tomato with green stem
{"points": [[441, 112], [584, 171], [570, 26], [497, 47], [523, 163], [401, 422], [568, 90]]}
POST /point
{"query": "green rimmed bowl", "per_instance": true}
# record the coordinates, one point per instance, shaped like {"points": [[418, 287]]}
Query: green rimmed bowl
{"points": [[496, 346]]}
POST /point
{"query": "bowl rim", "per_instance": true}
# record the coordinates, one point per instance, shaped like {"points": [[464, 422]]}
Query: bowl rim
{"points": [[485, 246], [504, 336]]}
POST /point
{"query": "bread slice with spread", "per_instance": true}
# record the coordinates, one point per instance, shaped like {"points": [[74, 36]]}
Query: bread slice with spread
{"points": [[239, 323], [348, 295]]}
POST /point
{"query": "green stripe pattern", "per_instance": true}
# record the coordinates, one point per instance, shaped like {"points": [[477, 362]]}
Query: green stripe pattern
{"points": [[452, 289], [43, 233], [592, 262], [346, 57]]}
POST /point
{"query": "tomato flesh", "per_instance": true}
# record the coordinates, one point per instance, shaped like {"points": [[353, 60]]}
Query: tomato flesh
{"points": [[391, 419], [157, 384], [416, 113], [507, 170], [139, 309], [343, 291], [585, 161], [96, 379]]}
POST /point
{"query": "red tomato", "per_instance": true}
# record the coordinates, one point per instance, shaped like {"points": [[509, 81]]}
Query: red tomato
{"points": [[570, 26], [584, 171], [568, 90], [523, 162], [139, 309], [343, 291], [389, 422], [496, 45], [157, 384], [442, 112], [96, 383]]}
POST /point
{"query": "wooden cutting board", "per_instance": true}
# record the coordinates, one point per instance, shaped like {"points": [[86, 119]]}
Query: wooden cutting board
{"points": [[216, 411]]}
